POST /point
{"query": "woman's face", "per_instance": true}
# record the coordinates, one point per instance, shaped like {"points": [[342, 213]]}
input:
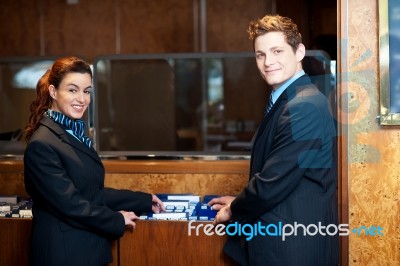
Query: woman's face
{"points": [[73, 95]]}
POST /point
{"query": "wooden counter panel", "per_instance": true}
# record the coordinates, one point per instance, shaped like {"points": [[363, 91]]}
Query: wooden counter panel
{"points": [[168, 243], [11, 166], [199, 184], [12, 184], [14, 239], [199, 177], [200, 166], [151, 243], [149, 166]]}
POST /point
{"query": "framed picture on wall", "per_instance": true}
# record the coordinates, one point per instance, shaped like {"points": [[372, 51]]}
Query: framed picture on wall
{"points": [[389, 61]]}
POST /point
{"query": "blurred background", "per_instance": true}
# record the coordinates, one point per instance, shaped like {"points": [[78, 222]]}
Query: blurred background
{"points": [[170, 76]]}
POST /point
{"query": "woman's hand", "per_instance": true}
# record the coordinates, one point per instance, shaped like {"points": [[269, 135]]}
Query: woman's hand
{"points": [[129, 217], [157, 204]]}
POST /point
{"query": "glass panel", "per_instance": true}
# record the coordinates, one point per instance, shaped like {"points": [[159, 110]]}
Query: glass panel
{"points": [[172, 105], [175, 102], [18, 78], [208, 103]]}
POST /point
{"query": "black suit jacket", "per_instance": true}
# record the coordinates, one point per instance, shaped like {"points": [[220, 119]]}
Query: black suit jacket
{"points": [[293, 177], [74, 216]]}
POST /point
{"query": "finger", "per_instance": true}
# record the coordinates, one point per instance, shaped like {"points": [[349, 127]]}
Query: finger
{"points": [[161, 205], [131, 226], [155, 208], [215, 219], [217, 207], [215, 222], [134, 217], [156, 201], [213, 201]]}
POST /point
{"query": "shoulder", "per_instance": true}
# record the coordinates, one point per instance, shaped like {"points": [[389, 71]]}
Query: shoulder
{"points": [[304, 96], [307, 108], [48, 130], [45, 139]]}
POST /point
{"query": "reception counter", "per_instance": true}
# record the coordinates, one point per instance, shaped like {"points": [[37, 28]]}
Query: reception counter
{"points": [[153, 242], [201, 177]]}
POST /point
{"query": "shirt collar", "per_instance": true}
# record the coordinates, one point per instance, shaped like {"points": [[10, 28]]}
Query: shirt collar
{"points": [[276, 93]]}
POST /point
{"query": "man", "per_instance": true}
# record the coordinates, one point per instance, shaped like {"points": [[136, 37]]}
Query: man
{"points": [[293, 167]]}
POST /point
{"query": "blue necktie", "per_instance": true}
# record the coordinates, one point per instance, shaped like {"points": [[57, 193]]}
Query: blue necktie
{"points": [[269, 105]]}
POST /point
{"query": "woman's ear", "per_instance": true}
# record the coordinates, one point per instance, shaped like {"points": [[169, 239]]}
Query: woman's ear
{"points": [[52, 92]]}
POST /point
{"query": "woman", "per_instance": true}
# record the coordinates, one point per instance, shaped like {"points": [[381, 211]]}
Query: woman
{"points": [[74, 216]]}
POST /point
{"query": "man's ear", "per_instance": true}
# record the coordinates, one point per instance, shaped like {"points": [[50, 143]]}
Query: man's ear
{"points": [[300, 52]]}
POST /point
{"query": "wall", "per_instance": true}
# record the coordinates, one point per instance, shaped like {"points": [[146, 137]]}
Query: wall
{"points": [[372, 151], [89, 29]]}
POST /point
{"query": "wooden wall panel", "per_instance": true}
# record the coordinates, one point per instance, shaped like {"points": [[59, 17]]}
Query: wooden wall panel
{"points": [[86, 29], [373, 150], [156, 26], [19, 28], [89, 29], [227, 23]]}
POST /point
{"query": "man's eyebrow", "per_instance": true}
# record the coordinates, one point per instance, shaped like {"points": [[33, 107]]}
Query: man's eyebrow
{"points": [[270, 49]]}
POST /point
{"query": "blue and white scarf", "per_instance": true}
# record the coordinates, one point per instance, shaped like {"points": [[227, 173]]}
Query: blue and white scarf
{"points": [[77, 126]]}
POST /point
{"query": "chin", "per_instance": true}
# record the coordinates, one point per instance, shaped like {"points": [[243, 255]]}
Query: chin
{"points": [[76, 116]]}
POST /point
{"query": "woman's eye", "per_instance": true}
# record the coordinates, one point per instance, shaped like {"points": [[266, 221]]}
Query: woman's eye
{"points": [[87, 92]]}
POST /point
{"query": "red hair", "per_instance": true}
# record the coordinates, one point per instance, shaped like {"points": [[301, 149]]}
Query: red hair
{"points": [[53, 76]]}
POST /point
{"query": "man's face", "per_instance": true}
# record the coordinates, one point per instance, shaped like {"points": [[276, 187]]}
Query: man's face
{"points": [[275, 58]]}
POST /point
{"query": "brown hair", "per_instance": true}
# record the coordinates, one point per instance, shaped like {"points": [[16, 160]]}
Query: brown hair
{"points": [[53, 76], [275, 23]]}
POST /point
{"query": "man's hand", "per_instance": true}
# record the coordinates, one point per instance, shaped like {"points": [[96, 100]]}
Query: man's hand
{"points": [[224, 215], [218, 203]]}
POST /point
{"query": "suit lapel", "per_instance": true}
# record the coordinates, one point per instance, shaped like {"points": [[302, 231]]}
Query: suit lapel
{"points": [[286, 95], [69, 139]]}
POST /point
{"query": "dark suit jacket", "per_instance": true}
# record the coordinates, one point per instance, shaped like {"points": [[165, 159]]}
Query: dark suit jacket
{"points": [[293, 177], [74, 216]]}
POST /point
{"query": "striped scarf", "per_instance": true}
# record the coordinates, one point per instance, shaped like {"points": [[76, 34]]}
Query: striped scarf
{"points": [[77, 126]]}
